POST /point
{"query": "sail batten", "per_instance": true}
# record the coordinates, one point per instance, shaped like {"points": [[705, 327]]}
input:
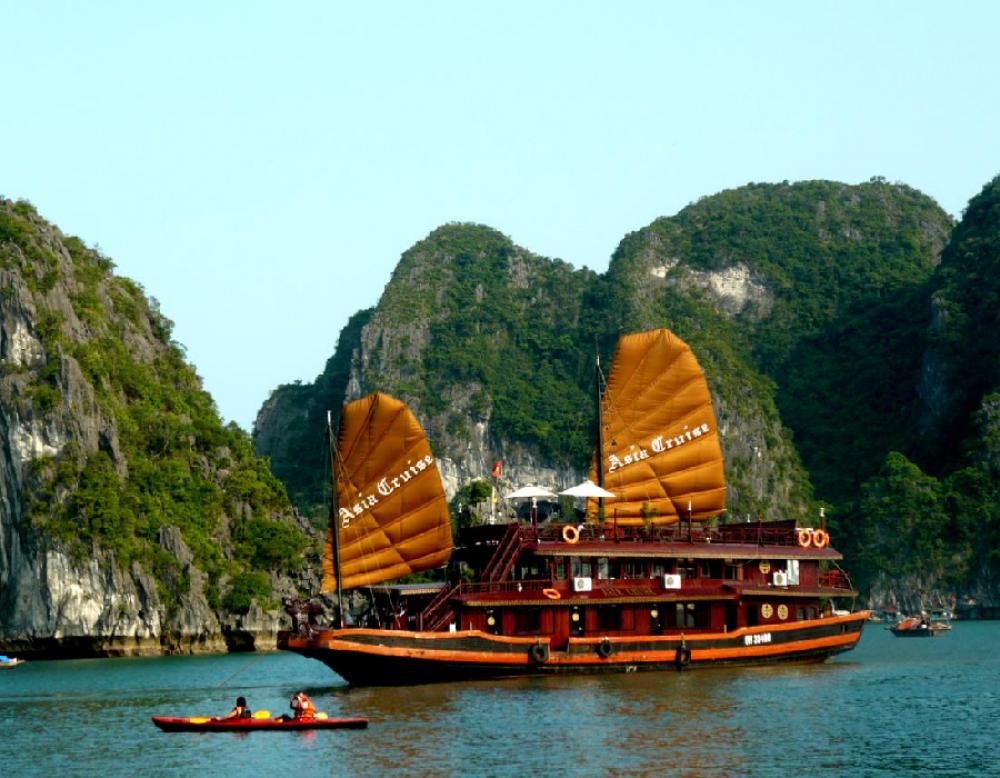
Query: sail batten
{"points": [[660, 444], [393, 516]]}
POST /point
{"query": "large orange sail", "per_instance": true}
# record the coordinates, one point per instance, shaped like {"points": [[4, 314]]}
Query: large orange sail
{"points": [[661, 453], [392, 513]]}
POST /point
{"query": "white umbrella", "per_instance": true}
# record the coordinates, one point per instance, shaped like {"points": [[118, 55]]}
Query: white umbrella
{"points": [[588, 489], [529, 491]]}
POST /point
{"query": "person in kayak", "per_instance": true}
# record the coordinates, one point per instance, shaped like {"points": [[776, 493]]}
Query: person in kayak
{"points": [[240, 711], [303, 706]]}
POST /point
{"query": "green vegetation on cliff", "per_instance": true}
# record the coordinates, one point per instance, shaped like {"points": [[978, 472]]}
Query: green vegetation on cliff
{"points": [[949, 427], [803, 302], [519, 341], [298, 449], [144, 446], [486, 328]]}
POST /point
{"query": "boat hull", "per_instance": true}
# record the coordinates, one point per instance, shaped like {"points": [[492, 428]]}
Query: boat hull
{"points": [[919, 633], [367, 657], [184, 724]]}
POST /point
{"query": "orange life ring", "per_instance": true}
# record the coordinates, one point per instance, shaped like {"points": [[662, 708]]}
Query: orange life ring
{"points": [[805, 538], [552, 594], [820, 538], [570, 534]]}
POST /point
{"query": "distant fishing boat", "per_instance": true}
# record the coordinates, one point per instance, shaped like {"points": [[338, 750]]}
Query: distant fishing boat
{"points": [[643, 585], [9, 661], [918, 627]]}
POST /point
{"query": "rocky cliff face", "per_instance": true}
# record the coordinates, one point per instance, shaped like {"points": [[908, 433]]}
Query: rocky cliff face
{"points": [[86, 566], [960, 360], [472, 331], [492, 306]]}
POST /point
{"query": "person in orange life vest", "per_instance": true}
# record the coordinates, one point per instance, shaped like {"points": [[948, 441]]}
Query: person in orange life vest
{"points": [[241, 711], [303, 706]]}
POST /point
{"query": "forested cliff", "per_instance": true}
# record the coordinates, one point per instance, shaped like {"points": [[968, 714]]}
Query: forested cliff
{"points": [[131, 520], [841, 328]]}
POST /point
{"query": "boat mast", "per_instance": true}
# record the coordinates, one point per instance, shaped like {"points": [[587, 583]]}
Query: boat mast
{"points": [[600, 432], [334, 522]]}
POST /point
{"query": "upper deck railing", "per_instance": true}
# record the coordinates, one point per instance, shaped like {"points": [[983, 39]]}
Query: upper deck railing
{"points": [[832, 580], [835, 579], [756, 534]]}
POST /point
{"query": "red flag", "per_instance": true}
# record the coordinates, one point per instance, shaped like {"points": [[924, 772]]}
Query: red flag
{"points": [[497, 468]]}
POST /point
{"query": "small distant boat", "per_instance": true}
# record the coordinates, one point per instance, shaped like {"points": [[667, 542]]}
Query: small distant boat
{"points": [[10, 661], [914, 627], [206, 724]]}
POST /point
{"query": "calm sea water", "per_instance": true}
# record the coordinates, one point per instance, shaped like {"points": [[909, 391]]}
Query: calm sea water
{"points": [[891, 707]]}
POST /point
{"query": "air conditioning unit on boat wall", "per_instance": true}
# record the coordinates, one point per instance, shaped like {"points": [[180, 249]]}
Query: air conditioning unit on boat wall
{"points": [[582, 585], [672, 581], [780, 578]]}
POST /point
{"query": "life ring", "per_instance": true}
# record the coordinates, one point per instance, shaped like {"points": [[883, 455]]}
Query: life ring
{"points": [[682, 658], [805, 537], [570, 534], [539, 653], [605, 649], [552, 594], [820, 538]]}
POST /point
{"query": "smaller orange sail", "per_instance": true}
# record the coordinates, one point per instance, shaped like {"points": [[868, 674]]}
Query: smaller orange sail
{"points": [[661, 454], [392, 514]]}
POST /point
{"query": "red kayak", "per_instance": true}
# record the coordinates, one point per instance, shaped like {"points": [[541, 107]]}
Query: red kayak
{"points": [[206, 724]]}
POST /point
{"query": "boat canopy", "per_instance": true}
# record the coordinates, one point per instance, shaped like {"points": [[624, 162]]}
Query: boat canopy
{"points": [[588, 489], [534, 492], [392, 514], [661, 454]]}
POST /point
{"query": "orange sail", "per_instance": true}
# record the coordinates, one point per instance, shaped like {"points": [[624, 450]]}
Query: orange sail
{"points": [[660, 453], [392, 514]]}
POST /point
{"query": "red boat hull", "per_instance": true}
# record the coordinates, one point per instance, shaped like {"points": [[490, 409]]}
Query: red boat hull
{"points": [[367, 657], [177, 724]]}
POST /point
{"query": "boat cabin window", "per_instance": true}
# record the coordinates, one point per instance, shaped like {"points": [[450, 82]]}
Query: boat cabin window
{"points": [[689, 614], [530, 571], [527, 621], [657, 569], [792, 571], [633, 569], [687, 568], [581, 568], [603, 569], [609, 617], [734, 571], [559, 569], [711, 568]]}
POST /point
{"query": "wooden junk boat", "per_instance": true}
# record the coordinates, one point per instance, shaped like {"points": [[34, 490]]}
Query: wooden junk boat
{"points": [[646, 584]]}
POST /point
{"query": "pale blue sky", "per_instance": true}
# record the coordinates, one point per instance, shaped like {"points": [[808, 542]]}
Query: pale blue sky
{"points": [[259, 167]]}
